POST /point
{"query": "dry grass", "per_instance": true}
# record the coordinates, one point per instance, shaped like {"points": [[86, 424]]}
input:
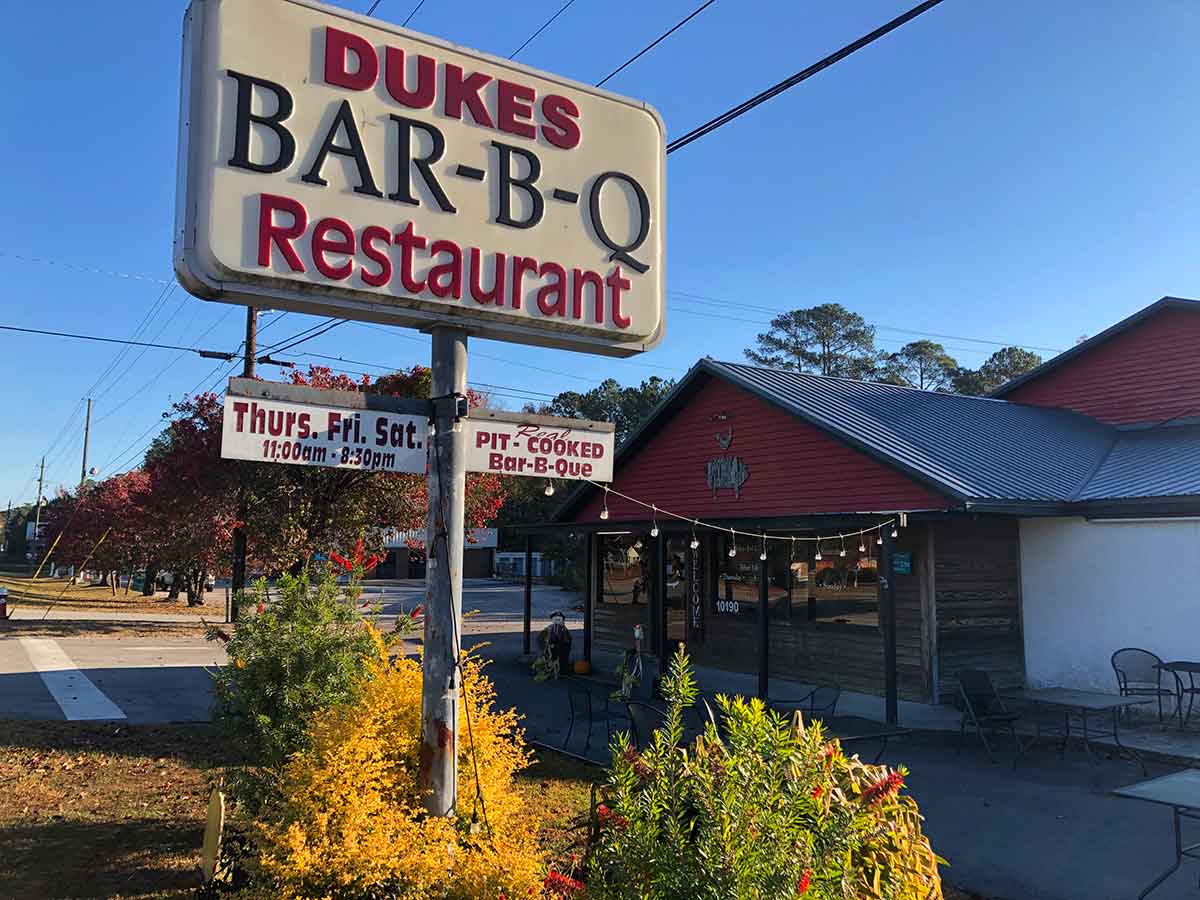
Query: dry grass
{"points": [[59, 592], [106, 811], [89, 810]]}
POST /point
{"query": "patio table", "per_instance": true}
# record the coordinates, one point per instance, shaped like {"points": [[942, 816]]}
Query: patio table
{"points": [[1084, 704], [1191, 669], [1181, 792]]}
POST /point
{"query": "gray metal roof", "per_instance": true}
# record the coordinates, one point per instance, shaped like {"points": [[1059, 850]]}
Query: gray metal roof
{"points": [[980, 451], [1156, 462], [975, 448]]}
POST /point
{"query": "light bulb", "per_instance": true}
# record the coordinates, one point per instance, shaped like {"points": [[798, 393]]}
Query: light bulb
{"points": [[604, 513], [732, 551], [879, 541], [818, 553], [862, 546], [695, 542], [842, 552], [895, 533], [763, 556], [549, 488], [654, 531]]}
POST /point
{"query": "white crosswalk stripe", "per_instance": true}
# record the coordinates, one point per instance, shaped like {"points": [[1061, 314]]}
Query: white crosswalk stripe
{"points": [[73, 691]]}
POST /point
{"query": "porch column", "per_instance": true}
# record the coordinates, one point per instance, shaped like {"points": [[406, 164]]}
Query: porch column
{"points": [[589, 593], [528, 611], [763, 634], [658, 631], [887, 622]]}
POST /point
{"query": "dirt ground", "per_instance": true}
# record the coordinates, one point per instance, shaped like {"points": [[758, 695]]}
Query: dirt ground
{"points": [[106, 811]]}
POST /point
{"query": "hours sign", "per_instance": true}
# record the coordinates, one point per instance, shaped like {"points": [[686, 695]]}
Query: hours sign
{"points": [[331, 164]]}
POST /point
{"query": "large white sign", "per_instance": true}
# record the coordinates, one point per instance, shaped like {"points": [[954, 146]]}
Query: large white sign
{"points": [[333, 164], [305, 434], [540, 450]]}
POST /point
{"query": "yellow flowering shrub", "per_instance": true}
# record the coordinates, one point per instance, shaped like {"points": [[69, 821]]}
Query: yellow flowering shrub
{"points": [[351, 823]]}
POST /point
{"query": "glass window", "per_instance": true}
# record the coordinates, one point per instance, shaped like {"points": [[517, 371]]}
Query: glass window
{"points": [[625, 568], [737, 578], [675, 592], [845, 589]]}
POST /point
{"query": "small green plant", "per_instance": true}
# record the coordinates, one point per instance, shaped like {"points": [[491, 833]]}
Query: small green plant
{"points": [[629, 675], [761, 808], [305, 651]]}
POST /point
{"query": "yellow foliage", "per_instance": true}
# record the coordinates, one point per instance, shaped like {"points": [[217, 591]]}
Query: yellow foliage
{"points": [[351, 822]]}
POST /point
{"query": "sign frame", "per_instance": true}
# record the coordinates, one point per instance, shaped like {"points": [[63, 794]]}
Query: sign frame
{"points": [[197, 267], [352, 401]]}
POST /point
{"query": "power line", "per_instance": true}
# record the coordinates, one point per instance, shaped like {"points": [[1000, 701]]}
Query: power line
{"points": [[545, 25], [328, 327], [416, 9], [41, 260], [658, 40], [722, 301], [90, 337], [728, 116], [157, 375]]}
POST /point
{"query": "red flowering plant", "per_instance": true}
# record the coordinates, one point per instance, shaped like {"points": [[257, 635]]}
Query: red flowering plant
{"points": [[761, 808]]}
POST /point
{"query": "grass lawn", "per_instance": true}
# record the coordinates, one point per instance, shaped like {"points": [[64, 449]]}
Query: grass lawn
{"points": [[105, 811]]}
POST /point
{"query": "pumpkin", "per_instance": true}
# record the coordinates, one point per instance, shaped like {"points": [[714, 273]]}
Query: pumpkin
{"points": [[582, 667]]}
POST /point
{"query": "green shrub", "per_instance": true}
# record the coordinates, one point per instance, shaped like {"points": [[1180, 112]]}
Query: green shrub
{"points": [[760, 809], [306, 651]]}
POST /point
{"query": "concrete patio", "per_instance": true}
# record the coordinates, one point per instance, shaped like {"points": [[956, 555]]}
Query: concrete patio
{"points": [[1047, 830]]}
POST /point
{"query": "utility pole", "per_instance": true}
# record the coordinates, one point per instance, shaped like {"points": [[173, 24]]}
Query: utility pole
{"points": [[7, 519], [87, 430], [443, 578], [238, 576], [37, 519]]}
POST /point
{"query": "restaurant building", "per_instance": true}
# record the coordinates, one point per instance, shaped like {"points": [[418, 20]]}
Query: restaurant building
{"points": [[1035, 531]]}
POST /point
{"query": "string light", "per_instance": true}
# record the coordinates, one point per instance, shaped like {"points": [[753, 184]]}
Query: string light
{"points": [[894, 523], [862, 544], [763, 556], [732, 543], [843, 550], [549, 488]]}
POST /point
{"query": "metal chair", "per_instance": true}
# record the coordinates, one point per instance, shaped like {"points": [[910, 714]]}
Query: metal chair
{"points": [[822, 702], [1139, 674], [983, 710], [583, 706], [644, 719]]}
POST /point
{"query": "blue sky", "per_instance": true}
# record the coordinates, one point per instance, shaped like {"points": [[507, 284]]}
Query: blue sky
{"points": [[1007, 171]]}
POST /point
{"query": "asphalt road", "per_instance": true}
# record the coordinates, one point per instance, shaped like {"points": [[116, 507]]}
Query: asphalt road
{"points": [[160, 679]]}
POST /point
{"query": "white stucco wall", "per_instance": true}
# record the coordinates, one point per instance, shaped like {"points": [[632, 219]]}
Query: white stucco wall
{"points": [[1089, 588]]}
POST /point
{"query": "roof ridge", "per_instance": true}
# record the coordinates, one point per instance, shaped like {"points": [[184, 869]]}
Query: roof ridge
{"points": [[863, 381], [1095, 470]]}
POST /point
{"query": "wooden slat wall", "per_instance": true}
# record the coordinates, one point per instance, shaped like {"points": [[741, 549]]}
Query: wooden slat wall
{"points": [[976, 580]]}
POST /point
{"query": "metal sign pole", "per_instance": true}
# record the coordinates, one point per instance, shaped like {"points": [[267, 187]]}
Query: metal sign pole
{"points": [[444, 546]]}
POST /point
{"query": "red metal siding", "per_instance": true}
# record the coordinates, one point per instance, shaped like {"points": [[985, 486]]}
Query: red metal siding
{"points": [[1146, 374], [794, 468]]}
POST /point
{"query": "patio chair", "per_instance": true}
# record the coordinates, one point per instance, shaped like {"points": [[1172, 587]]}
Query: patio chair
{"points": [[983, 710], [588, 710], [822, 702], [1139, 675], [644, 718]]}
